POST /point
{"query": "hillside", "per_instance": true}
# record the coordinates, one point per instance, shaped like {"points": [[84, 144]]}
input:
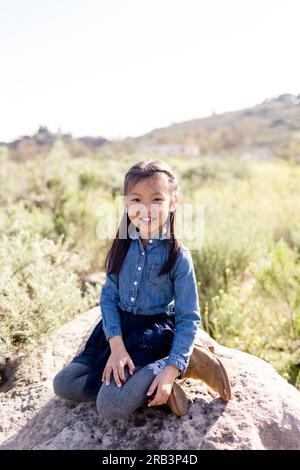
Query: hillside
{"points": [[272, 126], [41, 142], [268, 129]]}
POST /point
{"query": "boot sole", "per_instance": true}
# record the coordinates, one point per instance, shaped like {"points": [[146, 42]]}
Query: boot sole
{"points": [[178, 409], [226, 396]]}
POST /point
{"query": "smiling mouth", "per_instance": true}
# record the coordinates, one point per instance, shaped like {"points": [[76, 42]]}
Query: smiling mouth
{"points": [[147, 220]]}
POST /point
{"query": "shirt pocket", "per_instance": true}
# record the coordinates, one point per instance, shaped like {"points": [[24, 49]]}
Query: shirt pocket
{"points": [[155, 279]]}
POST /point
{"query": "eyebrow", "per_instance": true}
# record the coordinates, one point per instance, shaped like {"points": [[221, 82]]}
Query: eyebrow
{"points": [[153, 194]]}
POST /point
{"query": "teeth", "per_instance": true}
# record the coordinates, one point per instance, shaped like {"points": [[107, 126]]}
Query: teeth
{"points": [[146, 219]]}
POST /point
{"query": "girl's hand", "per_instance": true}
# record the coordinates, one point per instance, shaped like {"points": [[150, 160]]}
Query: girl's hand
{"points": [[164, 384], [115, 364]]}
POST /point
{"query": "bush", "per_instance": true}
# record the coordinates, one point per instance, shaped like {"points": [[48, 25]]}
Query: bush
{"points": [[40, 287]]}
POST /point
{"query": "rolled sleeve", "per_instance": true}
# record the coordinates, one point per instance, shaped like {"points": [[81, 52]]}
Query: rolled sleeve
{"points": [[109, 299], [187, 311]]}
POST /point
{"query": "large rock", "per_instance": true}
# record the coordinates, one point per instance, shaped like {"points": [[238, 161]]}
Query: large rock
{"points": [[263, 414]]}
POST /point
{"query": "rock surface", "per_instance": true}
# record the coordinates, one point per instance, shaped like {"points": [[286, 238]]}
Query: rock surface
{"points": [[263, 414]]}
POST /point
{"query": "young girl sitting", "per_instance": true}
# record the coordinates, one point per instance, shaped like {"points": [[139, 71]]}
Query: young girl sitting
{"points": [[150, 311]]}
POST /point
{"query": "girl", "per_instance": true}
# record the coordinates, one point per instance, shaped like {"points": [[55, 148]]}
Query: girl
{"points": [[150, 311]]}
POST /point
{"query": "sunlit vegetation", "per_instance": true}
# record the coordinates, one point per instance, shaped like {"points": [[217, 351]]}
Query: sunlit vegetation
{"points": [[248, 269]]}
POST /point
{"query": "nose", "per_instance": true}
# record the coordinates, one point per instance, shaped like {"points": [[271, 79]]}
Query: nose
{"points": [[147, 210]]}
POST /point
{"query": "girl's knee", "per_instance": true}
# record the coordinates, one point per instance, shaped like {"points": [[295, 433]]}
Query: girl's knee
{"points": [[59, 385], [64, 385]]}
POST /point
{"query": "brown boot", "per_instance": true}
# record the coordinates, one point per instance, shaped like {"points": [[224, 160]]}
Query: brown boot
{"points": [[206, 366], [206, 340], [178, 401]]}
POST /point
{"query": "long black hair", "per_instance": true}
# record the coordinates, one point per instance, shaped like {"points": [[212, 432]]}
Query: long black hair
{"points": [[120, 246]]}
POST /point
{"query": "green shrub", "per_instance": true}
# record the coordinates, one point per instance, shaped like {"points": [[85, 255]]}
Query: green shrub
{"points": [[40, 287]]}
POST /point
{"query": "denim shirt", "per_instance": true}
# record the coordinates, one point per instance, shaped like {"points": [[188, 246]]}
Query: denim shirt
{"points": [[138, 289]]}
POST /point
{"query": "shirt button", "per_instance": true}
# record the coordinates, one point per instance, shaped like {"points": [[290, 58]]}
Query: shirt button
{"points": [[135, 283], [143, 253], [139, 268], [150, 241], [132, 299]]}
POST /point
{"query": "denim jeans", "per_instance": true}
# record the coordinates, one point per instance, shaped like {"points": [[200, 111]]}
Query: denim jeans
{"points": [[147, 338], [111, 401]]}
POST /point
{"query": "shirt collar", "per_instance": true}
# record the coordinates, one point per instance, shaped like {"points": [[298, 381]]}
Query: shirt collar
{"points": [[134, 234]]}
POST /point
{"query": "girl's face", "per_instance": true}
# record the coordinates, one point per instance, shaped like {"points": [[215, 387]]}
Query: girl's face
{"points": [[149, 203]]}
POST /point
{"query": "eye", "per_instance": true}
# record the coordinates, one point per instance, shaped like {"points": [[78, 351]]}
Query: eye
{"points": [[156, 199]]}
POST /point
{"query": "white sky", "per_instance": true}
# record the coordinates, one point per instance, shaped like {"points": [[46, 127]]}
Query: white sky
{"points": [[118, 68]]}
